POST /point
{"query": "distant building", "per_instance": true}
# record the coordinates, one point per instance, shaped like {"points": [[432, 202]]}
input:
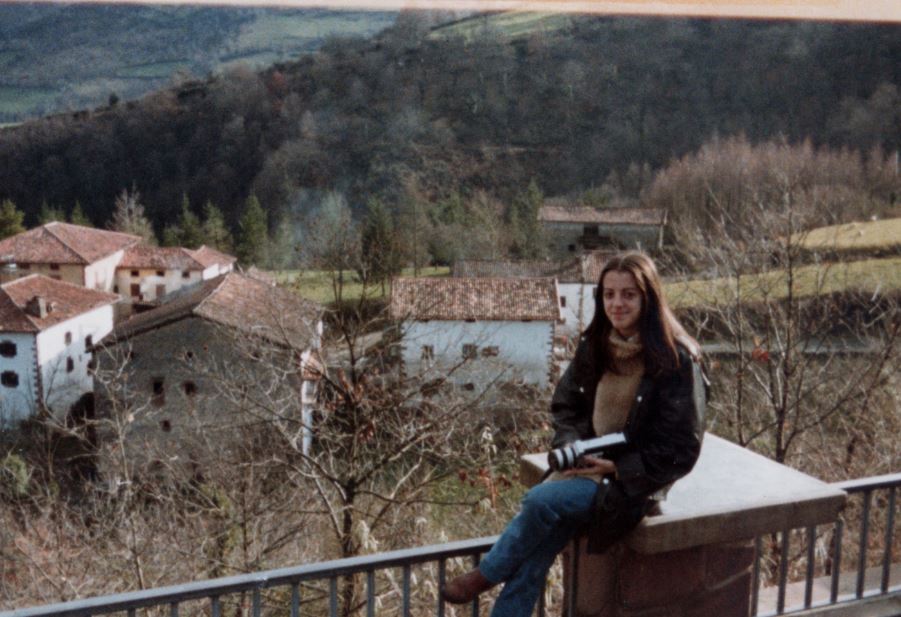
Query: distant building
{"points": [[577, 280], [477, 330], [147, 273], [79, 255], [573, 229], [187, 362], [47, 329]]}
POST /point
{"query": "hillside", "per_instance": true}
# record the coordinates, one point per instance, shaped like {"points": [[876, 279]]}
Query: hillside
{"points": [[56, 57], [884, 235]]}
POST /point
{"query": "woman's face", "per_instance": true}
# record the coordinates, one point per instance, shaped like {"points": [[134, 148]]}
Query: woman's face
{"points": [[622, 301]]}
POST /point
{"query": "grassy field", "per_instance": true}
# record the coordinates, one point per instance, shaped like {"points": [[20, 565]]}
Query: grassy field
{"points": [[869, 235], [14, 100], [868, 275], [153, 70], [317, 285], [297, 32], [513, 24]]}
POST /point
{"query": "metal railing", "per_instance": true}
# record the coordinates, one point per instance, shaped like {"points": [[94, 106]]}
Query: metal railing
{"points": [[317, 589], [817, 563]]}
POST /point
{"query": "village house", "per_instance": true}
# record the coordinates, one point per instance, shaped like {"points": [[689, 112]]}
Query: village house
{"points": [[147, 273], [47, 330], [577, 281], [477, 331], [573, 229], [191, 367], [72, 253]]}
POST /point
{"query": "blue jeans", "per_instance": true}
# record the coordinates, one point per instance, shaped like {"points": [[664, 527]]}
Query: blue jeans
{"points": [[550, 516]]}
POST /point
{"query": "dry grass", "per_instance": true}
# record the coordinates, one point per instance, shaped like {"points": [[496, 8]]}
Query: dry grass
{"points": [[857, 236], [868, 275]]}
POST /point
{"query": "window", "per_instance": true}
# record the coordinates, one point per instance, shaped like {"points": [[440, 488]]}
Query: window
{"points": [[571, 248], [54, 266], [470, 351], [88, 341], [165, 425], [68, 338], [135, 290], [135, 273], [189, 355], [159, 391], [70, 365], [590, 230], [185, 274], [490, 351], [161, 273], [190, 388], [469, 387], [8, 349], [10, 379], [562, 301], [428, 352], [115, 289]]}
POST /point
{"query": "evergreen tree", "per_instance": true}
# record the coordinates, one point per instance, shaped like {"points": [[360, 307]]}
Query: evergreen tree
{"points": [[128, 217], [381, 257], [11, 220], [187, 232], [78, 217], [253, 235], [215, 232], [528, 242], [49, 214]]}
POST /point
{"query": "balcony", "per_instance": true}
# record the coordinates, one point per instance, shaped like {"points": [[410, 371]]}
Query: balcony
{"points": [[781, 542]]}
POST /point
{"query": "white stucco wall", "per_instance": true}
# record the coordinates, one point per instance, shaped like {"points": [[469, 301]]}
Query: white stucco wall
{"points": [[523, 350], [17, 403], [215, 270], [579, 309], [60, 387], [149, 279], [64, 272], [102, 274]]}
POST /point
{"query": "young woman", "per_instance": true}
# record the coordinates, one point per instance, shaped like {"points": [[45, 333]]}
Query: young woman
{"points": [[636, 371]]}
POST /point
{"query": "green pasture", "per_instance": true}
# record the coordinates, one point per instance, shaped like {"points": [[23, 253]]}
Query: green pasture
{"points": [[513, 24], [868, 275], [275, 31], [858, 236], [316, 285]]}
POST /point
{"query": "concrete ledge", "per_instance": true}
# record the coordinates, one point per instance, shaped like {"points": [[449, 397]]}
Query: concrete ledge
{"points": [[732, 494]]}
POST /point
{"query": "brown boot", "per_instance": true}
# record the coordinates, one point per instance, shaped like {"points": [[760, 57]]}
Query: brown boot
{"points": [[466, 587]]}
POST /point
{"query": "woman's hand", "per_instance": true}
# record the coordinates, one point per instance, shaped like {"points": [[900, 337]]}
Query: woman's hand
{"points": [[591, 466]]}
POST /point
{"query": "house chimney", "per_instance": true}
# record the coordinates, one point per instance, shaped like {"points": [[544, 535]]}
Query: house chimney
{"points": [[37, 307]]}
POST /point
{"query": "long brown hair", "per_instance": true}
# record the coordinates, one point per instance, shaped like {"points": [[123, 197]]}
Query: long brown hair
{"points": [[658, 327]]}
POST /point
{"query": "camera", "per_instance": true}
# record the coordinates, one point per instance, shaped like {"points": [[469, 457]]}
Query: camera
{"points": [[606, 446]]}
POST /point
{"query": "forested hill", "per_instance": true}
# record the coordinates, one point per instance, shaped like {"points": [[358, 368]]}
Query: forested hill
{"points": [[416, 115], [55, 56]]}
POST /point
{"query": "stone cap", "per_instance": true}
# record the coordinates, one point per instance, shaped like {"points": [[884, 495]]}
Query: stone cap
{"points": [[732, 494]]}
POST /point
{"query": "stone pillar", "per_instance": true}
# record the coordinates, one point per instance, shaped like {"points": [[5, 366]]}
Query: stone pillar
{"points": [[695, 558]]}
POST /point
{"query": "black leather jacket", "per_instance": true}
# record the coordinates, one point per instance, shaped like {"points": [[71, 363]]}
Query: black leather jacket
{"points": [[664, 429]]}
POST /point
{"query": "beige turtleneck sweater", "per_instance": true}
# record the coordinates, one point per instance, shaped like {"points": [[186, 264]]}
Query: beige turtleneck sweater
{"points": [[617, 387]]}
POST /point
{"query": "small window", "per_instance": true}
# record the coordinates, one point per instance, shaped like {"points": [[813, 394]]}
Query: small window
{"points": [[469, 387], [68, 338], [135, 273], [562, 301], [159, 391], [189, 355], [8, 349], [115, 289], [470, 321], [571, 248], [54, 266], [190, 388], [165, 425], [10, 379], [135, 290], [70, 365], [161, 273], [470, 351], [428, 352], [185, 274], [88, 341], [490, 351]]}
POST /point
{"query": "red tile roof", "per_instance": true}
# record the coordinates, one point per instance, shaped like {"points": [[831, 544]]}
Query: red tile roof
{"points": [[64, 300], [607, 216], [208, 256], [236, 301], [65, 243], [490, 299], [159, 258]]}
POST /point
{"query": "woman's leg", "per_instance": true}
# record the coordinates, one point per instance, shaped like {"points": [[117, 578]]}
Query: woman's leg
{"points": [[550, 516]]}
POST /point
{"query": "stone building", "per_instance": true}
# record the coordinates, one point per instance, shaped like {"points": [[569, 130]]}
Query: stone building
{"points": [[477, 331], [227, 353], [574, 229]]}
